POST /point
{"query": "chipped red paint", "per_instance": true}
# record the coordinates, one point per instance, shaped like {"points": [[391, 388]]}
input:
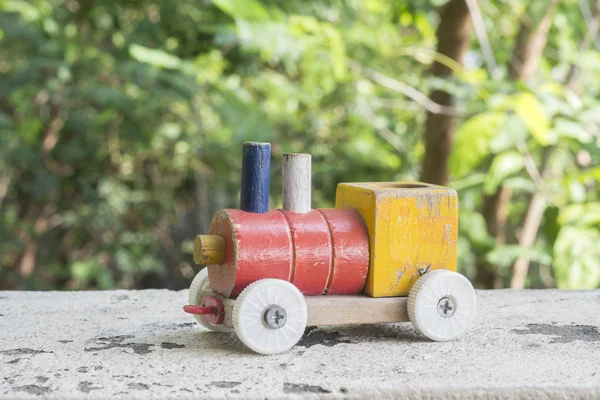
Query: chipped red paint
{"points": [[325, 251]]}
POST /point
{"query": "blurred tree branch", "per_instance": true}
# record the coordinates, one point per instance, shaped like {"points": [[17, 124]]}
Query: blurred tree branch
{"points": [[452, 36], [482, 37], [531, 41], [409, 91]]}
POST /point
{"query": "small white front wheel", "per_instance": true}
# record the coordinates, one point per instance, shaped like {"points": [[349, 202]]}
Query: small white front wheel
{"points": [[441, 305], [199, 285], [270, 316]]}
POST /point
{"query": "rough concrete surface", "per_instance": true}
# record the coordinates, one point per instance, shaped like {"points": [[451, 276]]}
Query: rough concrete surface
{"points": [[140, 344]]}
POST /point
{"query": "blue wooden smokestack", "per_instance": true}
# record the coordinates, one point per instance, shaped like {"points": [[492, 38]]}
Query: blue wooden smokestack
{"points": [[256, 171]]}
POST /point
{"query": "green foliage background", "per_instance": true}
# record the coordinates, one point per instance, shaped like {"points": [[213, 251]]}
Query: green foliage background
{"points": [[121, 125]]}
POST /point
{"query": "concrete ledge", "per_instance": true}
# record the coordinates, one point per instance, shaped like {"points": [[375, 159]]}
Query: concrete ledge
{"points": [[139, 344]]}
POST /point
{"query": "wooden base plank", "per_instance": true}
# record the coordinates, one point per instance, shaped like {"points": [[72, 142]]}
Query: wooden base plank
{"points": [[346, 310], [354, 310]]}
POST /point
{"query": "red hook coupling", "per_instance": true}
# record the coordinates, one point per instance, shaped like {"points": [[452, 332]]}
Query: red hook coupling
{"points": [[212, 310], [198, 310]]}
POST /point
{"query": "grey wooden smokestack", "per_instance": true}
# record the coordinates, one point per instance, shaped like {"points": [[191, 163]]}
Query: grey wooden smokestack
{"points": [[297, 182]]}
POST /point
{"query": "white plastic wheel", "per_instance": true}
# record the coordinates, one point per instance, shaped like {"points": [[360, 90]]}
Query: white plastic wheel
{"points": [[441, 305], [199, 285], [256, 302]]}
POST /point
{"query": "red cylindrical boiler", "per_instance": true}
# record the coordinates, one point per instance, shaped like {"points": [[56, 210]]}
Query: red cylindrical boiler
{"points": [[324, 251]]}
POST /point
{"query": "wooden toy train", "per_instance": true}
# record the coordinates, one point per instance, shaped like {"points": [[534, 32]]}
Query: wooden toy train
{"points": [[385, 253]]}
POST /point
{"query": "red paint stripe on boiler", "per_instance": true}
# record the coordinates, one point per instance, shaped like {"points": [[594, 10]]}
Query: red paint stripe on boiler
{"points": [[293, 265], [351, 250], [332, 258], [312, 248]]}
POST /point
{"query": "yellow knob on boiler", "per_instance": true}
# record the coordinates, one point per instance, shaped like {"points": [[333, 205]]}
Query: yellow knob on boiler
{"points": [[209, 249]]}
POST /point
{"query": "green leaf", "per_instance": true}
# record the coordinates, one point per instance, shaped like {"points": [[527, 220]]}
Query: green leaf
{"points": [[271, 40], [92, 269], [503, 166], [572, 129], [473, 225], [591, 116], [323, 53], [577, 191], [30, 130], [506, 255], [337, 51], [472, 142], [583, 215], [28, 11], [577, 258], [531, 110], [156, 58], [512, 132], [519, 183], [368, 147], [243, 9], [468, 182], [209, 66], [587, 175]]}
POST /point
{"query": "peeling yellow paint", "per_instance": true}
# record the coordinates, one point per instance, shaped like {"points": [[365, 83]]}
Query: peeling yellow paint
{"points": [[413, 228]]}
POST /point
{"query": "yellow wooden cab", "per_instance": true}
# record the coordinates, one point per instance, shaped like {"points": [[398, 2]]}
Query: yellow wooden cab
{"points": [[413, 229]]}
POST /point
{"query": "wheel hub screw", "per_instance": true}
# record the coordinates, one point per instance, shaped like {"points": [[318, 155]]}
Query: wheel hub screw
{"points": [[446, 307], [275, 317]]}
